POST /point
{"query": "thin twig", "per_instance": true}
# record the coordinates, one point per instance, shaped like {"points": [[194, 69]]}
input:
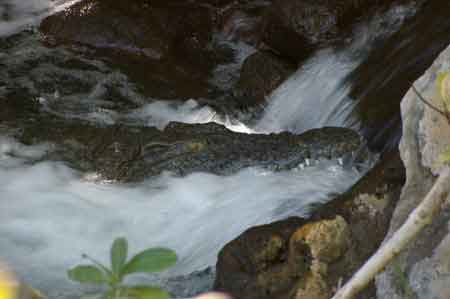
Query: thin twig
{"points": [[419, 218], [443, 113]]}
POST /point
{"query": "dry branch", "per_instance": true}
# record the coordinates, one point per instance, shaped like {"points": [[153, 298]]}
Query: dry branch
{"points": [[422, 216]]}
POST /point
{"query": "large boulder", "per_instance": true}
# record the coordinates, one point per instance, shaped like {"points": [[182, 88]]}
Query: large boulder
{"points": [[295, 28], [423, 270], [307, 258], [261, 73], [164, 42]]}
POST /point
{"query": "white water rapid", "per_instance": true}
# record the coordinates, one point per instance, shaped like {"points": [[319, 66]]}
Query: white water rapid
{"points": [[50, 214]]}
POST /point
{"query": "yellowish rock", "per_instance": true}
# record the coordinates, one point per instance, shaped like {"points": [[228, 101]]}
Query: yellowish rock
{"points": [[313, 287], [327, 240], [269, 252]]}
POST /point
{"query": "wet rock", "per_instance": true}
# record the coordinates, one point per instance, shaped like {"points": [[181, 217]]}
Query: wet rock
{"points": [[379, 87], [134, 153], [243, 20], [327, 240], [295, 28], [299, 267], [314, 287], [34, 79], [261, 73], [16, 104], [171, 40], [311, 256], [237, 272], [422, 270]]}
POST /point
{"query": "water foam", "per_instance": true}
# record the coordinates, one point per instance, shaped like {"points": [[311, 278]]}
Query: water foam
{"points": [[51, 214], [317, 95]]}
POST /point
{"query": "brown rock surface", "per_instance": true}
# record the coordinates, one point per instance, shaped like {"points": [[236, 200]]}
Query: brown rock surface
{"points": [[166, 43], [261, 73], [313, 256], [295, 28]]}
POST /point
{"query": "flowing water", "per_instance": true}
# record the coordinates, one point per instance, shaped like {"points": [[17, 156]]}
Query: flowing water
{"points": [[51, 214], [15, 15], [322, 84]]}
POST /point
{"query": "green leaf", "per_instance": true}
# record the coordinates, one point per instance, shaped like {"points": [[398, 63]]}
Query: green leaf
{"points": [[87, 274], [98, 264], [150, 260], [440, 77], [119, 252], [146, 292], [443, 82], [445, 157]]}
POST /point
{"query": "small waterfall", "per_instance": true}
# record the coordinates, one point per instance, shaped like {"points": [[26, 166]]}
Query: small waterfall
{"points": [[319, 85], [50, 213], [318, 94], [384, 77]]}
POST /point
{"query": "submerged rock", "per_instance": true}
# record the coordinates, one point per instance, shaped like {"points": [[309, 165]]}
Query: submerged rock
{"points": [[134, 153], [308, 258], [261, 73]]}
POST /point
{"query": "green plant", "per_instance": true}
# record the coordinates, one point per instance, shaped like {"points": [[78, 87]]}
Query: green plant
{"points": [[148, 261]]}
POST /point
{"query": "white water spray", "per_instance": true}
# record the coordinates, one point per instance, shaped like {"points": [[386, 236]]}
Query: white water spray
{"points": [[160, 113], [319, 85], [15, 15], [52, 214], [317, 95]]}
